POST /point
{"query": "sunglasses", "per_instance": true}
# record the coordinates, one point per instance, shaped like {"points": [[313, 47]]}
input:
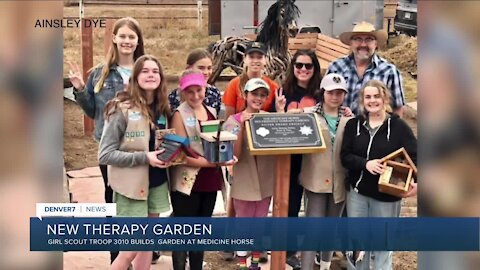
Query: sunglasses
{"points": [[308, 66]]}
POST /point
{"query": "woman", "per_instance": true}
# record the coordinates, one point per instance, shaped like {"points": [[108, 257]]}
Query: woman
{"points": [[301, 90], [137, 177], [369, 137]]}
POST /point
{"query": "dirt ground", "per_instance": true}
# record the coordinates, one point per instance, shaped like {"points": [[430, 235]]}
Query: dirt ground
{"points": [[80, 151]]}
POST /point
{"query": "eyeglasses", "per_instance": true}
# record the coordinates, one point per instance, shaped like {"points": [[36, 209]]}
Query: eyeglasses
{"points": [[360, 40], [308, 66]]}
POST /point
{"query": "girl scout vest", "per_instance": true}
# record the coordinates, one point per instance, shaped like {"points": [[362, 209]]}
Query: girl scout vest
{"points": [[132, 182], [183, 177], [253, 176], [323, 172]]}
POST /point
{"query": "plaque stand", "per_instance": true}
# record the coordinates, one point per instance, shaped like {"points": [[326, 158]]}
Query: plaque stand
{"points": [[280, 204], [266, 135]]}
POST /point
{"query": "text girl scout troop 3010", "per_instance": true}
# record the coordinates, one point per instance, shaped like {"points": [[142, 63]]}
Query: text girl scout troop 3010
{"points": [[128, 97]]}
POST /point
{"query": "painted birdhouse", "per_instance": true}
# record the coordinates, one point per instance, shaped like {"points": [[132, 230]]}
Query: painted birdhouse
{"points": [[218, 146], [176, 148], [398, 175]]}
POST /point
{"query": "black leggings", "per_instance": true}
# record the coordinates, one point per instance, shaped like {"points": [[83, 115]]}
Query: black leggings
{"points": [[198, 204], [108, 189]]}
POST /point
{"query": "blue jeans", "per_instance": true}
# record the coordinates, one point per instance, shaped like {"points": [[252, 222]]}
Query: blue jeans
{"points": [[362, 206]]}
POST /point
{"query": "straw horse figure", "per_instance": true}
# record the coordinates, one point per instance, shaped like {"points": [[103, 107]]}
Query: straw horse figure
{"points": [[274, 33]]}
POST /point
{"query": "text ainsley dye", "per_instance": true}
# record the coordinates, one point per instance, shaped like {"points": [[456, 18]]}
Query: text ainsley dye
{"points": [[70, 23]]}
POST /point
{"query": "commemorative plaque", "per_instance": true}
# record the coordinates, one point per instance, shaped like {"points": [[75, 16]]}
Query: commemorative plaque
{"points": [[281, 133]]}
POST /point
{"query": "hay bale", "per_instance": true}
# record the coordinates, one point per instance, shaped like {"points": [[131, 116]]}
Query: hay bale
{"points": [[402, 52]]}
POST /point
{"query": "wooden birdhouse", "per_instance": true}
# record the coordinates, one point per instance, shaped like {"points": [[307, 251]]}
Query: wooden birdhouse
{"points": [[218, 146], [398, 174]]}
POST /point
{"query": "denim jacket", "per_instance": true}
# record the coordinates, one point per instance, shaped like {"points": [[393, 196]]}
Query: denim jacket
{"points": [[94, 103]]}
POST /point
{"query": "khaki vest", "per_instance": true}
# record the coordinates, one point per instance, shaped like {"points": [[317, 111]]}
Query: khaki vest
{"points": [[132, 182], [253, 176], [323, 172], [183, 177]]}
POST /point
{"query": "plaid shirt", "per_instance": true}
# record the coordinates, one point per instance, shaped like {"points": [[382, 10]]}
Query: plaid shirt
{"points": [[379, 69]]}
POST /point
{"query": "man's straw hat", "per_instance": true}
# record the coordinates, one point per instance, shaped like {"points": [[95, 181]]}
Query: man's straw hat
{"points": [[364, 28]]}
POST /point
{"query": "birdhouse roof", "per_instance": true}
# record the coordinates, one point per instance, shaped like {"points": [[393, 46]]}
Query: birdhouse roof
{"points": [[212, 136], [210, 122], [401, 153]]}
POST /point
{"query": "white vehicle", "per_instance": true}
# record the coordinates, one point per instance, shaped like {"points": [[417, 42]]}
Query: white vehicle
{"points": [[332, 16]]}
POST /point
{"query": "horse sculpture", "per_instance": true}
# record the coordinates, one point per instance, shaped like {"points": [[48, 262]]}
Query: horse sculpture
{"points": [[274, 33]]}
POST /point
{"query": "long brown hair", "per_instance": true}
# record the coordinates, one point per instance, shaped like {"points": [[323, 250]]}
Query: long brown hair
{"points": [[314, 83], [112, 55], [243, 80], [136, 96]]}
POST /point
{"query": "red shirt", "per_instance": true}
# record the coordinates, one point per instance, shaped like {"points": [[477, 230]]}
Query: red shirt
{"points": [[233, 97]]}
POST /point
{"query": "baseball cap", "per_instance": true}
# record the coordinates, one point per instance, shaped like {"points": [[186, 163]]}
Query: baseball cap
{"points": [[192, 79], [256, 47], [333, 81], [254, 84]]}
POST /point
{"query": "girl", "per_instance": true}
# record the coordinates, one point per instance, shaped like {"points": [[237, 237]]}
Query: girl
{"points": [[252, 188], [234, 101], [108, 78], [255, 62], [195, 184], [199, 60], [128, 147], [322, 175], [368, 138], [301, 91]]}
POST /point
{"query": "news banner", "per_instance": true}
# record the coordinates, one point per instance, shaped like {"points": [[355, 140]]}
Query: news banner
{"points": [[94, 227]]}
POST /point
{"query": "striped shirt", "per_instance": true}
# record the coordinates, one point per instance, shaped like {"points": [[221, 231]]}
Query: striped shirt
{"points": [[379, 69]]}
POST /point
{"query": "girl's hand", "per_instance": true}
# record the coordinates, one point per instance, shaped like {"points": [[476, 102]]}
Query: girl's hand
{"points": [[412, 191], [245, 116], [154, 161], [229, 163], [347, 112], [280, 100], [309, 109], [375, 167], [76, 76]]}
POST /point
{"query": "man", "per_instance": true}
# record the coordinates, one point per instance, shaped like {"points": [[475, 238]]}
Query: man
{"points": [[364, 65]]}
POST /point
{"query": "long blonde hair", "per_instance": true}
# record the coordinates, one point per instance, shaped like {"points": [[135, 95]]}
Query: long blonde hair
{"points": [[384, 93], [112, 55], [136, 96]]}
